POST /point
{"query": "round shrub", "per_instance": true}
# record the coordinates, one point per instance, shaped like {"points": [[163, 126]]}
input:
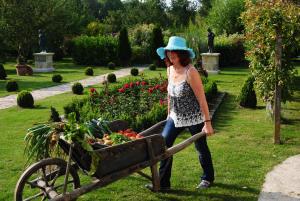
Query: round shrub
{"points": [[57, 78], [111, 65], [111, 78], [134, 71], [3, 74], [25, 99], [152, 67], [11, 85], [247, 97], [77, 88], [89, 71]]}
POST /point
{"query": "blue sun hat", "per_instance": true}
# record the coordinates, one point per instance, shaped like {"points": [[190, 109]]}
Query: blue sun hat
{"points": [[175, 43]]}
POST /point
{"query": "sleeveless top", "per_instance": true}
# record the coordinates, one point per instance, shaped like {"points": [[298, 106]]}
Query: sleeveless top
{"points": [[184, 106]]}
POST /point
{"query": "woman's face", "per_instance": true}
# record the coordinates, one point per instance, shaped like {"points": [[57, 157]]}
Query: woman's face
{"points": [[173, 57]]}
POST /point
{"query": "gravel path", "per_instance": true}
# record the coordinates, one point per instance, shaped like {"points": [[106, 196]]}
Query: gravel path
{"points": [[283, 182], [11, 100]]}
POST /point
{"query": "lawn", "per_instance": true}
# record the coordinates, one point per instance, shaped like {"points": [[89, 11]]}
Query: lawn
{"points": [[68, 70], [242, 149]]}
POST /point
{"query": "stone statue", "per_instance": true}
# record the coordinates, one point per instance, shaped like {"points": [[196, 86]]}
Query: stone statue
{"points": [[42, 41], [211, 37]]}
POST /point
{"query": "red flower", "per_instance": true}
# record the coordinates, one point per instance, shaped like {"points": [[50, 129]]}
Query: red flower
{"points": [[137, 83], [157, 86], [131, 84], [150, 90], [126, 86], [122, 90], [143, 83], [93, 90]]}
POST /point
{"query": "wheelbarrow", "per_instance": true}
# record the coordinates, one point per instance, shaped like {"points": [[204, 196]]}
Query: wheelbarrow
{"points": [[57, 179]]}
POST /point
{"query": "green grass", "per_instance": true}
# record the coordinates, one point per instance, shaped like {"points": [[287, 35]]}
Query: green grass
{"points": [[242, 149], [68, 70]]}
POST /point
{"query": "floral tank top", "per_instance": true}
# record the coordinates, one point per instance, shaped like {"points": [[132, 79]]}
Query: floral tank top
{"points": [[184, 106]]}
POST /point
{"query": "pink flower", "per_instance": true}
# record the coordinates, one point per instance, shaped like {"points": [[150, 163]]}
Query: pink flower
{"points": [[143, 83], [122, 90], [131, 85], [157, 86], [137, 83]]}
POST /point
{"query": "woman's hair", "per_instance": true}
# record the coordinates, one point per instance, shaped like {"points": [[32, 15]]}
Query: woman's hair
{"points": [[184, 57]]}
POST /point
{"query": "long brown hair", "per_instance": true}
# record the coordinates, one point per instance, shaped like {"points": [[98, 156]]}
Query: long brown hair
{"points": [[184, 57]]}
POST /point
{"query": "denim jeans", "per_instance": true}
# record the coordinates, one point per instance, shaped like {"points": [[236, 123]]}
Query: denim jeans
{"points": [[170, 132]]}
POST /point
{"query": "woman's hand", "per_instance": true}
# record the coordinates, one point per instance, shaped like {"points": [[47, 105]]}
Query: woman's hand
{"points": [[208, 128]]}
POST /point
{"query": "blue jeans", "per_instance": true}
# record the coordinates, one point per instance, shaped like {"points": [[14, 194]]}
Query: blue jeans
{"points": [[170, 133]]}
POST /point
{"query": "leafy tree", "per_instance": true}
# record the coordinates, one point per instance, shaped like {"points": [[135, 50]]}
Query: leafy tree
{"points": [[272, 33], [181, 12], [225, 16], [124, 47], [205, 6], [107, 6]]}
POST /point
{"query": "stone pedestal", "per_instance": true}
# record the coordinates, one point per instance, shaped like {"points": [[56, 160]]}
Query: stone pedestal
{"points": [[210, 62], [43, 62]]}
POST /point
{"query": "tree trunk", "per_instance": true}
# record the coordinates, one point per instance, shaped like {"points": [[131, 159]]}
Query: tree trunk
{"points": [[278, 63]]}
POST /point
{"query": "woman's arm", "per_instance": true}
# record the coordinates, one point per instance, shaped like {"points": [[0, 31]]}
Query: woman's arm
{"points": [[195, 82]]}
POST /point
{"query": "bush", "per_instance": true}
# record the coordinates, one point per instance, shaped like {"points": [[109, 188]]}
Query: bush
{"points": [[247, 97], [140, 55], [152, 67], [89, 71], [77, 88], [94, 50], [25, 99], [231, 49], [134, 71], [211, 89], [111, 65], [57, 78], [157, 40], [3, 74], [54, 116], [12, 85], [74, 107], [111, 78]]}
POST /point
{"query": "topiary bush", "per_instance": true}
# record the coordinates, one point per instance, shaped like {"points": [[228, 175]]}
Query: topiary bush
{"points": [[77, 88], [111, 65], [89, 71], [25, 99], [3, 74], [152, 67], [111, 78], [57, 78], [124, 48], [211, 89], [247, 97], [134, 72], [12, 85], [54, 115]]}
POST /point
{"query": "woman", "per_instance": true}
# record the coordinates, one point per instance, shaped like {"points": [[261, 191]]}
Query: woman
{"points": [[187, 108]]}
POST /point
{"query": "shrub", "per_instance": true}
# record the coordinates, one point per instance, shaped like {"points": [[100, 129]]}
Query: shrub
{"points": [[211, 89], [11, 85], [74, 107], [124, 48], [157, 40], [89, 71], [77, 88], [3, 74], [140, 55], [94, 50], [25, 99], [247, 97], [152, 67], [231, 49], [111, 78], [111, 65], [57, 78], [54, 115], [134, 71]]}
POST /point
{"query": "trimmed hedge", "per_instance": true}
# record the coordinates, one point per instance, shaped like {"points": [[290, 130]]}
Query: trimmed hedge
{"points": [[111, 65], [134, 72], [211, 89], [111, 78], [231, 49], [140, 55], [11, 85], [152, 67], [89, 71], [25, 99], [90, 50], [57, 78], [77, 88], [247, 97]]}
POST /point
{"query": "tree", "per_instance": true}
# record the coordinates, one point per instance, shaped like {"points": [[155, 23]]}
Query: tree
{"points": [[225, 16], [272, 33], [124, 47], [205, 6], [107, 6], [181, 12], [157, 41], [23, 19]]}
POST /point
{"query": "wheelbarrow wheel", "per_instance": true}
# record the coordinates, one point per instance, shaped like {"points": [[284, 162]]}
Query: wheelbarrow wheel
{"points": [[45, 180]]}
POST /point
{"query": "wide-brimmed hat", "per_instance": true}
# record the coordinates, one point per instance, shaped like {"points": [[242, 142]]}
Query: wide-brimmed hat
{"points": [[175, 43]]}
